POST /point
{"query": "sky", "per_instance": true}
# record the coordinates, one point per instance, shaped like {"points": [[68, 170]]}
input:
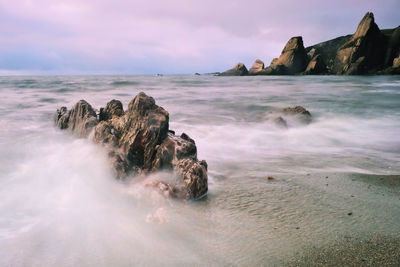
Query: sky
{"points": [[170, 36]]}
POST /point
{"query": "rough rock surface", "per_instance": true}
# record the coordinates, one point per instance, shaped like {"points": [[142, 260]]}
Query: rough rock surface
{"points": [[303, 114], [113, 108], [238, 70], [293, 57], [257, 67], [139, 141], [393, 49], [364, 51], [396, 62], [316, 66], [80, 119]]}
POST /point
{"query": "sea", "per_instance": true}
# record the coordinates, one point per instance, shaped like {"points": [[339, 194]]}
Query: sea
{"points": [[336, 177]]}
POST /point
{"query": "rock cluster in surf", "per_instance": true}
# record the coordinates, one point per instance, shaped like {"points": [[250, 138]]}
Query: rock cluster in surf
{"points": [[368, 51], [139, 141]]}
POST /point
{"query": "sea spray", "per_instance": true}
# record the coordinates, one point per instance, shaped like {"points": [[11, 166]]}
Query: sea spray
{"points": [[60, 205]]}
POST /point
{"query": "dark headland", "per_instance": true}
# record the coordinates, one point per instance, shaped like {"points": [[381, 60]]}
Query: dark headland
{"points": [[368, 51]]}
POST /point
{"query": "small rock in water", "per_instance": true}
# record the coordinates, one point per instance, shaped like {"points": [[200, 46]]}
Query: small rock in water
{"points": [[271, 178], [297, 228], [350, 213], [281, 122]]}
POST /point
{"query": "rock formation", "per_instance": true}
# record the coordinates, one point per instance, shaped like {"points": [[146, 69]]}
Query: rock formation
{"points": [[139, 141], [316, 66], [327, 50], [293, 57], [257, 67], [364, 51], [238, 70], [300, 112], [80, 119], [368, 51]]}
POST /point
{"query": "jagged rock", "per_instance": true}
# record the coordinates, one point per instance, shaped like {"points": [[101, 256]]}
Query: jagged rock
{"points": [[258, 66], [142, 128], [173, 149], [113, 108], [316, 66], [327, 50], [238, 70], [194, 176], [364, 51], [61, 118], [139, 141], [303, 114], [80, 119], [293, 56]]}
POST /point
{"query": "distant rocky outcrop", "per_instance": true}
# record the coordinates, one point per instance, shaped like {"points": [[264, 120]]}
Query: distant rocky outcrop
{"points": [[238, 70], [293, 58], [139, 141], [327, 50], [368, 51], [365, 51], [257, 67], [316, 66]]}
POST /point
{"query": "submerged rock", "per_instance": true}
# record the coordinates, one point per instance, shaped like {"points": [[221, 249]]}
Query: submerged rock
{"points": [[303, 114], [139, 141], [238, 70], [281, 122]]}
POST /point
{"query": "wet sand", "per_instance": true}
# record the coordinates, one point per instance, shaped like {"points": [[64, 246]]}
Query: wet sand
{"points": [[370, 249], [375, 250]]}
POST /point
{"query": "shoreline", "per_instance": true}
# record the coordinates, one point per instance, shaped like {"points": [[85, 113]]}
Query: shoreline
{"points": [[372, 250]]}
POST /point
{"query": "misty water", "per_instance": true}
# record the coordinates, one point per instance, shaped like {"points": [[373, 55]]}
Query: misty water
{"points": [[61, 206]]}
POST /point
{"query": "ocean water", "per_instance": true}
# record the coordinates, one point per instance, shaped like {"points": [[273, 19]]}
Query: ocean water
{"points": [[60, 206]]}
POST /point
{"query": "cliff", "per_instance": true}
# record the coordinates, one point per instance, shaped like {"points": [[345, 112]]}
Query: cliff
{"points": [[368, 51]]}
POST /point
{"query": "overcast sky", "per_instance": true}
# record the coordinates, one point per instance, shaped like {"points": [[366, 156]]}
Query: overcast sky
{"points": [[175, 36]]}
